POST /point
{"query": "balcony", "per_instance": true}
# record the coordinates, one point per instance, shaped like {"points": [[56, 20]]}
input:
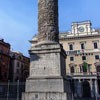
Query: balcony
{"points": [[73, 52], [90, 50], [77, 52], [83, 75]]}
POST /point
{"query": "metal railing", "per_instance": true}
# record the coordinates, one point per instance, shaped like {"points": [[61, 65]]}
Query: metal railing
{"points": [[76, 52], [83, 73], [11, 90], [73, 52]]}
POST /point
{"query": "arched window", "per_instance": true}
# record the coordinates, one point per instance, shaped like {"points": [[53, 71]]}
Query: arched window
{"points": [[86, 89], [84, 67], [72, 70], [97, 65], [72, 67], [98, 68]]}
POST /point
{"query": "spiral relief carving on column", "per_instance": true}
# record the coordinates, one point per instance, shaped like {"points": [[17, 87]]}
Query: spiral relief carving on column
{"points": [[48, 20]]}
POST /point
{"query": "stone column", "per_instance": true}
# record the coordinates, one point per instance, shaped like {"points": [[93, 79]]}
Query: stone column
{"points": [[47, 79], [48, 20], [91, 86], [79, 88], [96, 89], [75, 88]]}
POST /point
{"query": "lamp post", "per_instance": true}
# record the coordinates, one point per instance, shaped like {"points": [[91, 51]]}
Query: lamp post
{"points": [[8, 90], [18, 89]]}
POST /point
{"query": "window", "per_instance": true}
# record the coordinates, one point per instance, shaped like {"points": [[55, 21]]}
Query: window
{"points": [[71, 58], [5, 75], [98, 68], [70, 47], [17, 71], [72, 70], [84, 67], [81, 69], [95, 45], [0, 58], [18, 64], [83, 57], [36, 96], [97, 57], [1, 89], [22, 67], [82, 46], [1, 74]]}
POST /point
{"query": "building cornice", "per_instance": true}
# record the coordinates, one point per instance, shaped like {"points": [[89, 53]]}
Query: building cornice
{"points": [[80, 37], [5, 44], [7, 55]]}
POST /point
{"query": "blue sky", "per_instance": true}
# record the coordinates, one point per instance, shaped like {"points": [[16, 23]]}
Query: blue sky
{"points": [[18, 19]]}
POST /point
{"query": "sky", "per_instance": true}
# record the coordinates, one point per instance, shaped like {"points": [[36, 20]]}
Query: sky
{"points": [[18, 19]]}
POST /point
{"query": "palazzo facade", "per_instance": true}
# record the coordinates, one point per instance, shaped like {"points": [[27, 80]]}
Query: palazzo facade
{"points": [[82, 46]]}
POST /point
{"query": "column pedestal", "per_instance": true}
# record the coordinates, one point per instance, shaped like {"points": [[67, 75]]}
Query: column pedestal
{"points": [[47, 79]]}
